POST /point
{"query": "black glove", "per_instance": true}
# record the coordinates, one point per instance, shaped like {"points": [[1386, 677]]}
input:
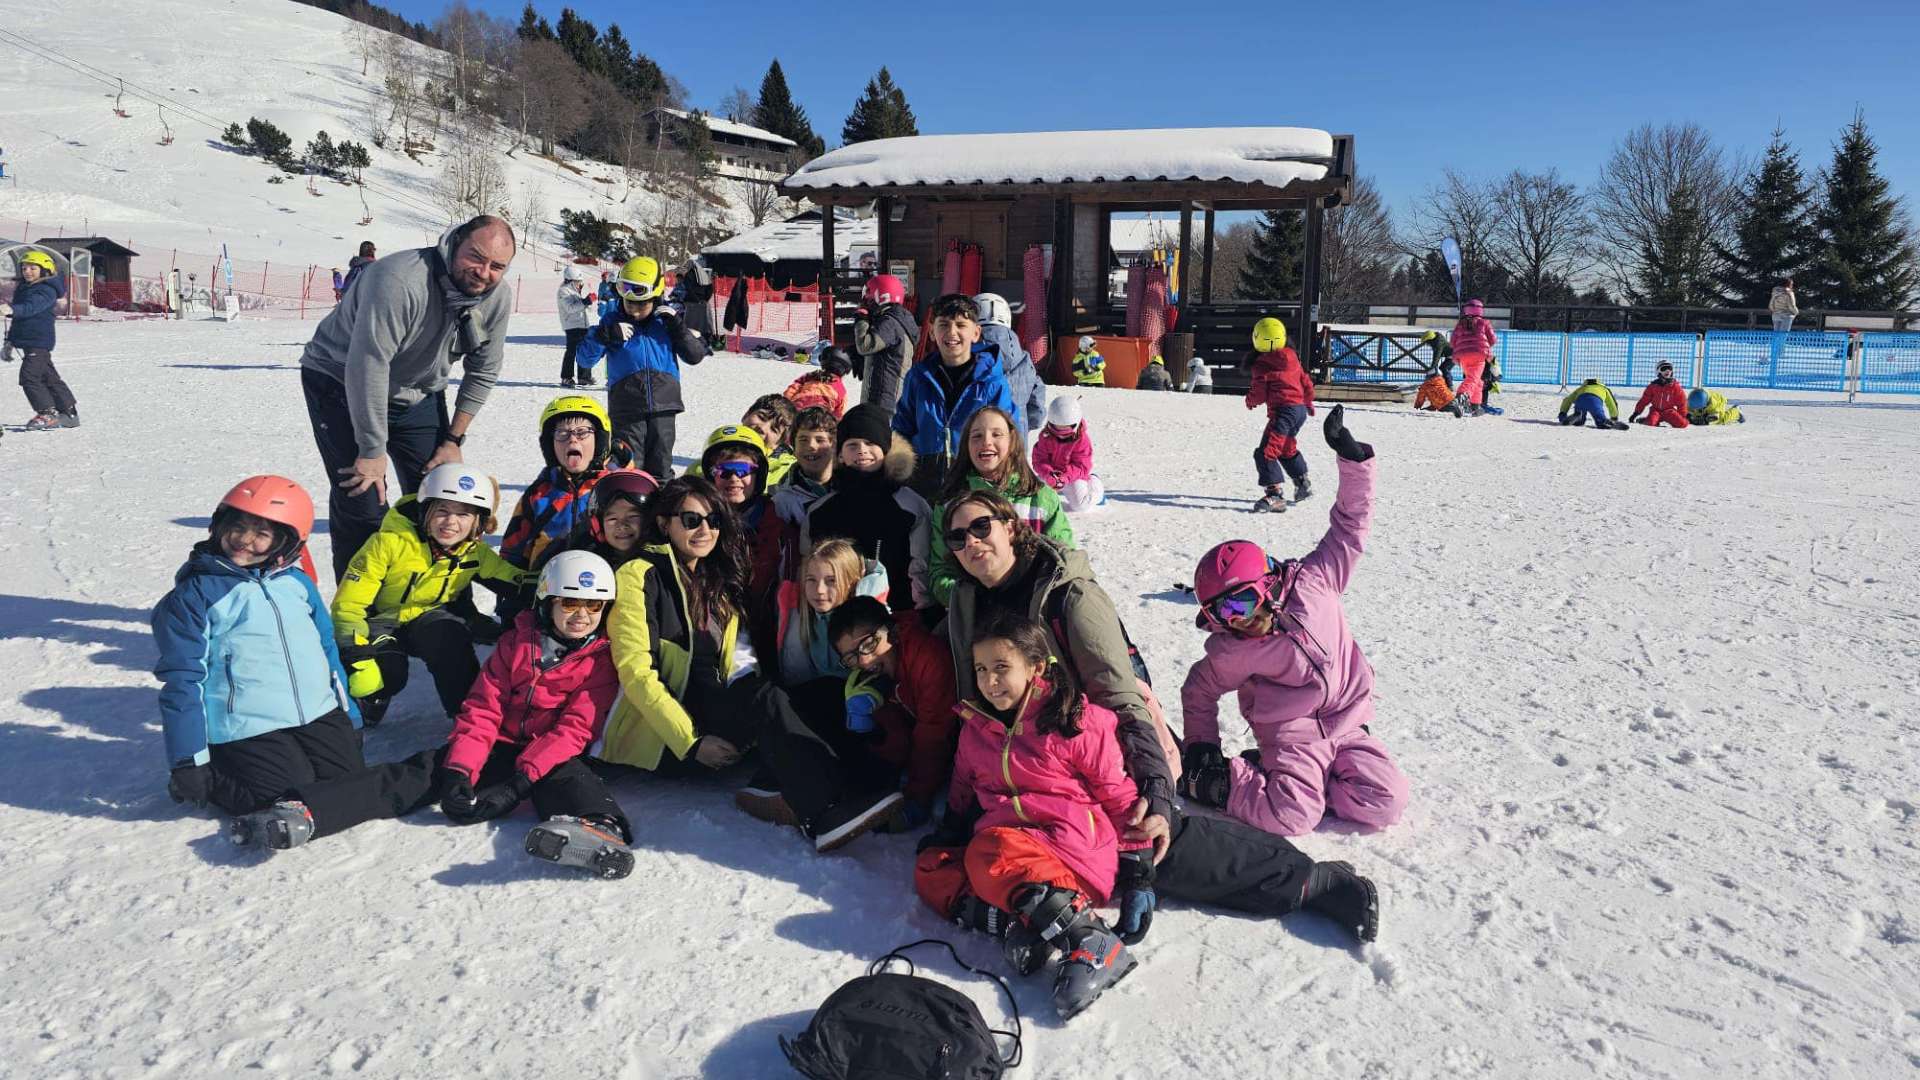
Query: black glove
{"points": [[1133, 886], [672, 319], [1200, 756], [498, 800], [1565, 419], [456, 795], [1341, 440], [352, 652], [485, 631], [191, 784], [1204, 776]]}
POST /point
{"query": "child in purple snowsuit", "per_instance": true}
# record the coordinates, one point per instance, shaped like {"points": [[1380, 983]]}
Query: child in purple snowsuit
{"points": [[1279, 637]]}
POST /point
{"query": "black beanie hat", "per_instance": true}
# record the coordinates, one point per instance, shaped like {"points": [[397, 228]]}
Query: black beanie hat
{"points": [[867, 422]]}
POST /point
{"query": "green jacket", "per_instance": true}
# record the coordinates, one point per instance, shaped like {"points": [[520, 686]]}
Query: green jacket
{"points": [[395, 578], [1042, 511], [1718, 411], [1597, 389]]}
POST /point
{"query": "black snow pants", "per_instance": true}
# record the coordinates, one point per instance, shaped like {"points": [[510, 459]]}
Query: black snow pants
{"points": [[46, 391], [753, 714], [254, 773], [414, 432], [441, 639], [574, 337], [822, 705], [400, 787], [1229, 864]]}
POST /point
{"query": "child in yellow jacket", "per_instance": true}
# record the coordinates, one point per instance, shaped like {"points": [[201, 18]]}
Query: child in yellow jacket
{"points": [[393, 601]]}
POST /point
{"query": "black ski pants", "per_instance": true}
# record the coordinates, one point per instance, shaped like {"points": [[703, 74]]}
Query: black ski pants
{"points": [[46, 391], [254, 773], [414, 432], [441, 639], [575, 336], [400, 787], [822, 705], [753, 714], [1229, 864], [650, 439]]}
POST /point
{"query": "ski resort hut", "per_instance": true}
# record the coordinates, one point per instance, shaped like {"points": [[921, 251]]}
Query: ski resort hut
{"points": [[102, 278], [1036, 207], [787, 253]]}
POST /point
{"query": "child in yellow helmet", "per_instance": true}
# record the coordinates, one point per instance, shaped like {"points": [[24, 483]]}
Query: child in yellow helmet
{"points": [[644, 343]]}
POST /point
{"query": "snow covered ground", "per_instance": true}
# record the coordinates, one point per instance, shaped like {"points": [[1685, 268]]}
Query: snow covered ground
{"points": [[1656, 691]]}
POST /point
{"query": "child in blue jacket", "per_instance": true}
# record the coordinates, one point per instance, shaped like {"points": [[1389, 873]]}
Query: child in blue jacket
{"points": [[253, 700], [941, 393], [644, 344], [32, 333]]}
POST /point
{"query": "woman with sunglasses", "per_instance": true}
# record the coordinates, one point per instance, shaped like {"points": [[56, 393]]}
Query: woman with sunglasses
{"points": [[644, 345], [1202, 860], [694, 700], [1278, 636]]}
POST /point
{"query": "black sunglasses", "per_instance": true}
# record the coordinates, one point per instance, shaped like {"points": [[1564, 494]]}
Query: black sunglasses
{"points": [[979, 529], [689, 520]]}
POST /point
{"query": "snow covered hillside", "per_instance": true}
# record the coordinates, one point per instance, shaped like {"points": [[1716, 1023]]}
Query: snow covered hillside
{"points": [[1656, 691], [73, 165]]}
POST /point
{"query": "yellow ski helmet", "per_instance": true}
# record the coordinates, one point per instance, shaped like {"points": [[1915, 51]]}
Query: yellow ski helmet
{"points": [[742, 437], [639, 279], [40, 259], [1269, 335], [576, 405]]}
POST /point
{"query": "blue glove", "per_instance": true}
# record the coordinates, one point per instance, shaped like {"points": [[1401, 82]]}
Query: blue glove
{"points": [[1134, 883], [863, 697]]}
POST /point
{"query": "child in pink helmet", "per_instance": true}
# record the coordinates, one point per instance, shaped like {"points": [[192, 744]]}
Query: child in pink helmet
{"points": [[1473, 343], [1279, 638]]}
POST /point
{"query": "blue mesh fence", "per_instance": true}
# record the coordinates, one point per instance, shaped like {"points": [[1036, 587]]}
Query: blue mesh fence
{"points": [[1530, 356], [1351, 360], [1762, 360], [1890, 363]]}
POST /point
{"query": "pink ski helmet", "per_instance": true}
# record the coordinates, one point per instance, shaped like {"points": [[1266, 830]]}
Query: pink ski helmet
{"points": [[1474, 307], [884, 289], [1236, 565]]}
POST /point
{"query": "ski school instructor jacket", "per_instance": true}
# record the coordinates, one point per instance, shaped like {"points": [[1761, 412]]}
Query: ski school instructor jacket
{"points": [[643, 371], [242, 652], [398, 575], [1072, 790], [551, 713], [392, 340], [33, 312], [1308, 680], [653, 655]]}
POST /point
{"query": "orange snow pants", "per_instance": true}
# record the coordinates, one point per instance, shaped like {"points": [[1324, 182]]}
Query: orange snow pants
{"points": [[993, 866]]}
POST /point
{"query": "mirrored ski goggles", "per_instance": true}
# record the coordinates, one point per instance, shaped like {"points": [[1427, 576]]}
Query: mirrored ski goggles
{"points": [[572, 604], [633, 290], [738, 470], [1235, 606]]}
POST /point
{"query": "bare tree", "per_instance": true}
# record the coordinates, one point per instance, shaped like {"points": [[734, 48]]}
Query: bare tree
{"points": [[1358, 249], [470, 180], [1465, 210], [761, 201], [545, 95], [371, 120], [737, 106], [362, 40], [529, 213], [1542, 234], [400, 65], [1659, 184]]}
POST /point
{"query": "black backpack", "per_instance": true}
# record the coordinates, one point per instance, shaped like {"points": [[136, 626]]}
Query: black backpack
{"points": [[885, 1026]]}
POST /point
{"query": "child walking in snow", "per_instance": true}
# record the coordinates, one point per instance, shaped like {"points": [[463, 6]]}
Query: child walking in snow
{"points": [[1473, 343], [1285, 388], [1063, 456], [253, 697], [1663, 400], [1592, 400], [1038, 801], [397, 597], [31, 332], [1278, 636], [539, 703]]}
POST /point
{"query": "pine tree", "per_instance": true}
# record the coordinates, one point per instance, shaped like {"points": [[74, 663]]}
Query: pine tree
{"points": [[533, 26], [1866, 260], [880, 113], [778, 113], [582, 42], [1773, 233], [1272, 269]]}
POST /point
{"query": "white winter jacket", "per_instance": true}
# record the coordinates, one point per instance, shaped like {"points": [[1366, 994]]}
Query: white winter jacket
{"points": [[1782, 302], [575, 307]]}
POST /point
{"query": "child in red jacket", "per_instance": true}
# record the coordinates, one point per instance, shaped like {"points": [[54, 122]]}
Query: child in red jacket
{"points": [[540, 701], [1662, 400], [1285, 388], [899, 696]]}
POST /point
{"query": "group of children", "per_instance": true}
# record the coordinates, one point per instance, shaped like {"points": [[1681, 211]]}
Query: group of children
{"points": [[1662, 402]]}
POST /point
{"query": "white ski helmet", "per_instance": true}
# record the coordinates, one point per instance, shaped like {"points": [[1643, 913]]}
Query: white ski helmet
{"points": [[1086, 343], [571, 273], [994, 310], [457, 483], [579, 574]]}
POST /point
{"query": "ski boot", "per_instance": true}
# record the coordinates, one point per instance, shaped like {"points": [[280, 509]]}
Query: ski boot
{"points": [[852, 817], [45, 421], [567, 384], [1273, 502], [1335, 891], [1456, 408], [279, 827], [586, 378], [591, 844], [1302, 489], [70, 418], [1025, 950], [1095, 957], [1620, 425]]}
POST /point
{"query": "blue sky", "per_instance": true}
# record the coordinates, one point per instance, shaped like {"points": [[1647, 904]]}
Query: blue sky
{"points": [[1482, 86]]}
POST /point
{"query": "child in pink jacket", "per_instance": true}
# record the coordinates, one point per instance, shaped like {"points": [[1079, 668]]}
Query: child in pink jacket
{"points": [[1279, 638], [1039, 782], [540, 701], [1473, 343], [1063, 456]]}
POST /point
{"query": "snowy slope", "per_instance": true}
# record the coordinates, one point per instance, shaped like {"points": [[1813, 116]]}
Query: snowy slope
{"points": [[75, 166], [1656, 691]]}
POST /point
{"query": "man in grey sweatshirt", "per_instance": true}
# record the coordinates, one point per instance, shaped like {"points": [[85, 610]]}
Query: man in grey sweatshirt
{"points": [[375, 373]]}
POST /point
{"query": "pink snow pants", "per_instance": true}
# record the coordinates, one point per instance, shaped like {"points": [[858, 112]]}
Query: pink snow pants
{"points": [[1471, 366], [1352, 776]]}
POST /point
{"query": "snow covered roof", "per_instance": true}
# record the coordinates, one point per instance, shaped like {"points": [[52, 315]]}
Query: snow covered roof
{"points": [[1273, 156], [744, 131], [799, 238]]}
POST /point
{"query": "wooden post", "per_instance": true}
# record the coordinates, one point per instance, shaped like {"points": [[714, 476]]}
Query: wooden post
{"points": [[1310, 279], [883, 210], [826, 273], [1206, 258], [1060, 311], [1186, 252]]}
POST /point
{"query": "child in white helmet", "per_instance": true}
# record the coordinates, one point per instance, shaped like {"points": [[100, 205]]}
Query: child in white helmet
{"points": [[542, 699], [1089, 367], [1063, 456], [393, 601]]}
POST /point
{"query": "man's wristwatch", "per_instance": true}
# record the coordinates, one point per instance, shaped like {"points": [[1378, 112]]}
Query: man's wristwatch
{"points": [[457, 440]]}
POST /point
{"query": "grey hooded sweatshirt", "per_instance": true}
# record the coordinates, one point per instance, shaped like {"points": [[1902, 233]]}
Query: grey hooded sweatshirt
{"points": [[393, 338]]}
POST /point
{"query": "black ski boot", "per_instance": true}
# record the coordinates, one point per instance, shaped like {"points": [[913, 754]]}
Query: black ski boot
{"points": [[1095, 957], [1302, 489], [593, 844], [1204, 776], [1023, 947], [279, 827], [1335, 891]]}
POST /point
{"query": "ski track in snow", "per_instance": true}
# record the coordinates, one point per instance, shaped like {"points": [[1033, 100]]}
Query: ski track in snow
{"points": [[1655, 691]]}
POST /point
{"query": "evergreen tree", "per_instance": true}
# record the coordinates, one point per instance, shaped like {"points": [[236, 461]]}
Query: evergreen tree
{"points": [[1773, 233], [880, 113], [1866, 260], [582, 42], [777, 112], [533, 26], [1674, 264], [698, 142], [1272, 269]]}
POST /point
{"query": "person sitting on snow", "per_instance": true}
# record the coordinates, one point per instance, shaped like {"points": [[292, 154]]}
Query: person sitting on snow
{"points": [[1156, 377], [1662, 400], [1199, 377], [824, 388], [1063, 456], [1436, 393], [575, 438], [1591, 400], [1711, 407], [1278, 635]]}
